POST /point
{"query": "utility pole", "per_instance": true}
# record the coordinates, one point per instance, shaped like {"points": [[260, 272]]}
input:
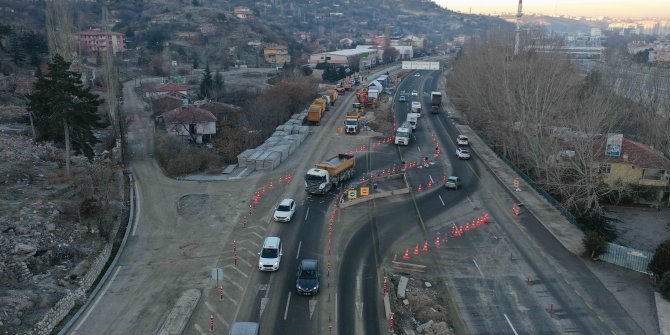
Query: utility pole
{"points": [[519, 13]]}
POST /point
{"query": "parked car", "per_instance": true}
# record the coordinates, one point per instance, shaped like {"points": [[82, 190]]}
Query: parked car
{"points": [[270, 255], [285, 211], [417, 74], [308, 277], [462, 140], [453, 182], [415, 93], [402, 98], [463, 153]]}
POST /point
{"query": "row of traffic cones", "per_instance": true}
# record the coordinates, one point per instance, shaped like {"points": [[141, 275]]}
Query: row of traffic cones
{"points": [[442, 239]]}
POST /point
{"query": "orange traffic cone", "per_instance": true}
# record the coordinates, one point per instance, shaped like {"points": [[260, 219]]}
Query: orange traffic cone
{"points": [[437, 240], [416, 250], [420, 189], [425, 246], [467, 226], [460, 230], [406, 257], [430, 184]]}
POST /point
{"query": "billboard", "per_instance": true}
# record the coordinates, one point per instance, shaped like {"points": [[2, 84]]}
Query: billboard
{"points": [[407, 65], [613, 147]]}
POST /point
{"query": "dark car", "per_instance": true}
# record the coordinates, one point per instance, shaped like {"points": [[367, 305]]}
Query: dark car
{"points": [[308, 277]]}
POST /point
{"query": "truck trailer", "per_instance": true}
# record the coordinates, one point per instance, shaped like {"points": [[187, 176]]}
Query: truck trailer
{"points": [[435, 101], [328, 173]]}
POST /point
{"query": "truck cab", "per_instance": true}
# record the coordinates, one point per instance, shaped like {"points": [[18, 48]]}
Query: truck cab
{"points": [[403, 134], [413, 119], [416, 107], [317, 180], [351, 124]]}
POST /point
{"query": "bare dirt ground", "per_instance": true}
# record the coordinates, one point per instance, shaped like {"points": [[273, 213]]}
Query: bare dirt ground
{"points": [[51, 224]]}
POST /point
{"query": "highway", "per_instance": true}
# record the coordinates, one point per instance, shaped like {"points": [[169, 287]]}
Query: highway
{"points": [[491, 289]]}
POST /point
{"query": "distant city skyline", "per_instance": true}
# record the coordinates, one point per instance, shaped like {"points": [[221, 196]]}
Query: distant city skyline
{"points": [[592, 8]]}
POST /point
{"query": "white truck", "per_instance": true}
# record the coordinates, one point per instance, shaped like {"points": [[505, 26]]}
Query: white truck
{"points": [[321, 178], [416, 107], [413, 119], [403, 133]]}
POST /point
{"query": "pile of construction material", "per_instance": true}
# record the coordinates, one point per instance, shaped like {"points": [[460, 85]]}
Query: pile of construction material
{"points": [[278, 147]]}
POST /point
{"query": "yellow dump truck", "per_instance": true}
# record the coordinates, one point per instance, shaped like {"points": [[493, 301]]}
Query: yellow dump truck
{"points": [[322, 102], [324, 175], [314, 114]]}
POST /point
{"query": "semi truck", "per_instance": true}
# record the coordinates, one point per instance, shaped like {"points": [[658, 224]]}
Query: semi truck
{"points": [[413, 119], [328, 173], [403, 134], [435, 101]]}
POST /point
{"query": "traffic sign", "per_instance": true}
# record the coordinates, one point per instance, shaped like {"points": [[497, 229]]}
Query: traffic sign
{"points": [[365, 191], [352, 194], [516, 183]]}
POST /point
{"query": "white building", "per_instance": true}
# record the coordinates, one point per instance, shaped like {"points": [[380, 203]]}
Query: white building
{"points": [[192, 122]]}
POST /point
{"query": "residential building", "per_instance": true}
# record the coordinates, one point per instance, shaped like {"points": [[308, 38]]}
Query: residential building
{"points": [[196, 124], [276, 54], [242, 12], [165, 89], [415, 41], [637, 164], [95, 40], [368, 54]]}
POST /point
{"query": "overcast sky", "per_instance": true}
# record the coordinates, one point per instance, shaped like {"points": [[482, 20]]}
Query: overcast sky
{"points": [[593, 8]]}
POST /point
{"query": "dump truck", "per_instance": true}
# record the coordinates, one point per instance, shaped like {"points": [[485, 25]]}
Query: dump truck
{"points": [[328, 173], [435, 101], [358, 108], [403, 134], [321, 101], [352, 122], [314, 114]]}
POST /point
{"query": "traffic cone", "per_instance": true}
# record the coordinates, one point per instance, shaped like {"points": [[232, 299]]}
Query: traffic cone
{"points": [[437, 240], [406, 257], [425, 246], [445, 239], [420, 189], [467, 226], [416, 250], [473, 225], [430, 184], [453, 231], [281, 181], [460, 230], [486, 218]]}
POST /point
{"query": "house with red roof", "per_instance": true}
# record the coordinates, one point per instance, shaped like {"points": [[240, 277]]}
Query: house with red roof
{"points": [[197, 124], [636, 164], [167, 88]]}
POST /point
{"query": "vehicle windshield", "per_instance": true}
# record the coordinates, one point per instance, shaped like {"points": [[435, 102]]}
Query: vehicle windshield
{"points": [[308, 274], [312, 179], [465, 151], [402, 134], [283, 208], [452, 180], [351, 122], [269, 253]]}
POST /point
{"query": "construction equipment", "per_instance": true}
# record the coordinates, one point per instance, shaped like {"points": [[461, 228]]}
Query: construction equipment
{"points": [[324, 175]]}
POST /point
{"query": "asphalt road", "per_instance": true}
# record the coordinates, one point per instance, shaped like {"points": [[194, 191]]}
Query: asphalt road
{"points": [[493, 296]]}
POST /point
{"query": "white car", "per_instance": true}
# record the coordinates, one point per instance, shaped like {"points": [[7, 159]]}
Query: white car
{"points": [[285, 211], [417, 74], [463, 153], [270, 255], [415, 93], [462, 140]]}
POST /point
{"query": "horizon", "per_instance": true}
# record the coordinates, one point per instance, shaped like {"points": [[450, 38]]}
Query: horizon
{"points": [[659, 9]]}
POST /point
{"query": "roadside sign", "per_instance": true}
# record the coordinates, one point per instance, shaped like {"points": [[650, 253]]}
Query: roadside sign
{"points": [[217, 274], [516, 183], [365, 191], [352, 194]]}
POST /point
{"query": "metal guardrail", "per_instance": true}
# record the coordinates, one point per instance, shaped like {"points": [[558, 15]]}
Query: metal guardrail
{"points": [[634, 259]]}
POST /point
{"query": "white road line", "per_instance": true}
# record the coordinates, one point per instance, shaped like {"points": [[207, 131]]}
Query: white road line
{"points": [[257, 234], [306, 213], [510, 324], [138, 208], [417, 147], [480, 270], [217, 315], [97, 300], [439, 196], [297, 254], [198, 328], [288, 301], [431, 179], [238, 270]]}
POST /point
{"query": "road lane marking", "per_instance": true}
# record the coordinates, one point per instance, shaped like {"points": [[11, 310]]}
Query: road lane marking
{"points": [[257, 234], [439, 196], [218, 316], [306, 213], [138, 208], [297, 254], [97, 300], [431, 179], [588, 305], [480, 270], [288, 301], [417, 147], [312, 307], [510, 324], [238, 270]]}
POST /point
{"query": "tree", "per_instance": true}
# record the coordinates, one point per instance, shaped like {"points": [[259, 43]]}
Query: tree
{"points": [[218, 85], [16, 51], [660, 264], [196, 63], [664, 286], [390, 55], [594, 244], [206, 84], [65, 111]]}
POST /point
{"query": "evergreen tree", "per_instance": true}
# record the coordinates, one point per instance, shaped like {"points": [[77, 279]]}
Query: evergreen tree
{"points": [[207, 83], [65, 111], [16, 51], [218, 81], [195, 62]]}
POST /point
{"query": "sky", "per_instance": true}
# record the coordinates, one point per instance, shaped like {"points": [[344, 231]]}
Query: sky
{"points": [[592, 8]]}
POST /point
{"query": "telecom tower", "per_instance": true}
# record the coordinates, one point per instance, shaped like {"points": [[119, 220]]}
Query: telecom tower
{"points": [[519, 13]]}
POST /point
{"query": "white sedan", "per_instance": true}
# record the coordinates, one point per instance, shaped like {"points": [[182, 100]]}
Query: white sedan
{"points": [[463, 153], [462, 140], [285, 211], [415, 93]]}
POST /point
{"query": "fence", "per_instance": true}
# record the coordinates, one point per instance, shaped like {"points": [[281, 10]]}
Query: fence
{"points": [[637, 260]]}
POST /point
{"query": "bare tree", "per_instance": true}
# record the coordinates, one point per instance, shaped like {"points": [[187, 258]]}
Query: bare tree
{"points": [[111, 87], [60, 30]]}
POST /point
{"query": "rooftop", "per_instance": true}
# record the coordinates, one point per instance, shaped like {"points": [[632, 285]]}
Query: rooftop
{"points": [[638, 154]]}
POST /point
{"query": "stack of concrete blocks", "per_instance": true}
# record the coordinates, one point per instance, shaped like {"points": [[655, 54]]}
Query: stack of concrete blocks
{"points": [[243, 158]]}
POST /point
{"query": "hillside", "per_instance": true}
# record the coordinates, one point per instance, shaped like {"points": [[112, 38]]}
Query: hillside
{"points": [[561, 25]]}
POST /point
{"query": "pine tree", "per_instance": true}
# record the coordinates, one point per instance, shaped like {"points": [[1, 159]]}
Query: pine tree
{"points": [[207, 83], [218, 84], [65, 111]]}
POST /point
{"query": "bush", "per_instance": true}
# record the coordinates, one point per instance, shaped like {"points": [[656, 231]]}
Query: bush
{"points": [[664, 286], [178, 157], [598, 223], [660, 264], [594, 243]]}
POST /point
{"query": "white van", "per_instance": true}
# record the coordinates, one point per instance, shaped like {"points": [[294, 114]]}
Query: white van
{"points": [[270, 255], [413, 119]]}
